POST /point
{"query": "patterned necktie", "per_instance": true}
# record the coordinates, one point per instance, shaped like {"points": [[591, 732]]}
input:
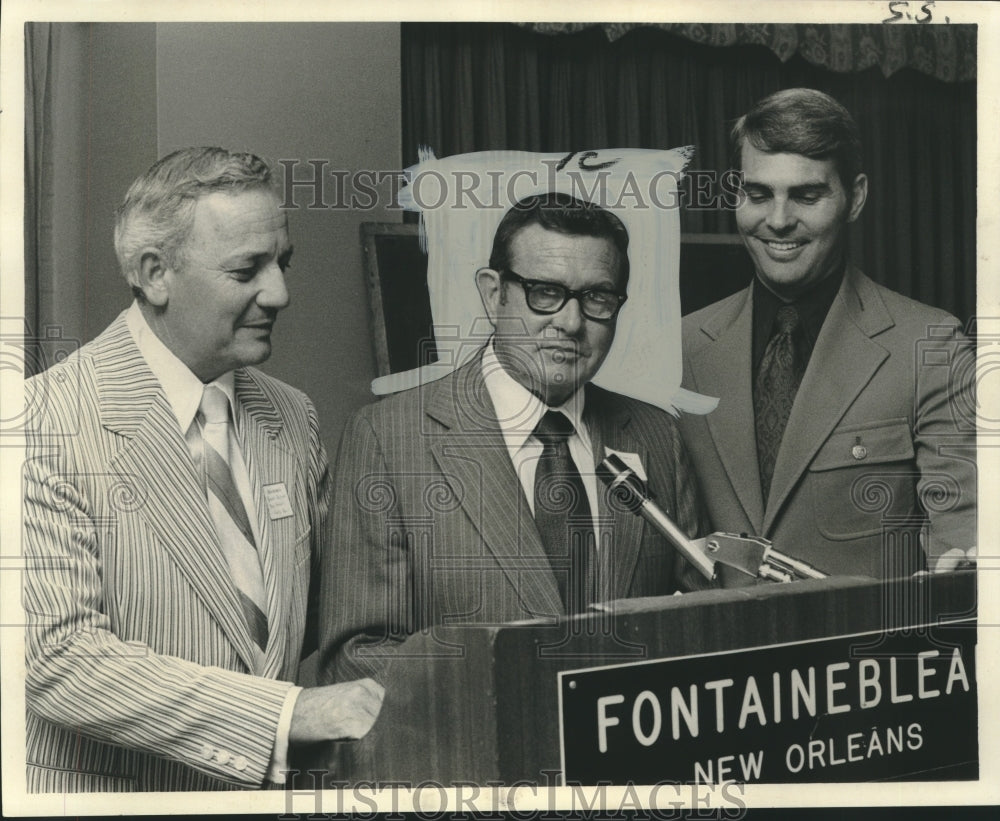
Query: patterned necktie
{"points": [[563, 516], [230, 516], [774, 392]]}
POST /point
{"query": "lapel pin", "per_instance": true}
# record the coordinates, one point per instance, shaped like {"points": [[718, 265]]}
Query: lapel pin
{"points": [[859, 451]]}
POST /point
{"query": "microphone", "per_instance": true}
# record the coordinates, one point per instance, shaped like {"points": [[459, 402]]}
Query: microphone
{"points": [[751, 555], [629, 489]]}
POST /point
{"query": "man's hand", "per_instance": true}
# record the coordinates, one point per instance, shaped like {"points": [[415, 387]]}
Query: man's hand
{"points": [[336, 711]]}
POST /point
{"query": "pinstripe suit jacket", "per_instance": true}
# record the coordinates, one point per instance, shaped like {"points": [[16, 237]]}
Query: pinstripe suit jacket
{"points": [[432, 526], [138, 657]]}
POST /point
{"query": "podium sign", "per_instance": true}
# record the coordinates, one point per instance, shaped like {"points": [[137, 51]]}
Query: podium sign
{"points": [[864, 707], [861, 694]]}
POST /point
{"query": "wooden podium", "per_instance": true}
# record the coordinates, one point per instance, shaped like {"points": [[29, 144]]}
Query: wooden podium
{"points": [[490, 703]]}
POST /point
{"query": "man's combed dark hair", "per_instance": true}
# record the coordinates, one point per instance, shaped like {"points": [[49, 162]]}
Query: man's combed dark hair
{"points": [[802, 121], [562, 213]]}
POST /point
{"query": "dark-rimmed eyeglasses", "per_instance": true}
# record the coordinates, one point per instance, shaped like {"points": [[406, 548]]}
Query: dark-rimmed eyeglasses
{"points": [[598, 304]]}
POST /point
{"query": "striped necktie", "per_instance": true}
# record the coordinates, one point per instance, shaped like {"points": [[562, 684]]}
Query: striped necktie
{"points": [[232, 525], [563, 516]]}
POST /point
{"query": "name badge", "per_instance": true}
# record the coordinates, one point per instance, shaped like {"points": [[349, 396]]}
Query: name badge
{"points": [[278, 505]]}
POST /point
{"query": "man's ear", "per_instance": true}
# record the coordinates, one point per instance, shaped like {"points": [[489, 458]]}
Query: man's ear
{"points": [[859, 193], [490, 291], [154, 277]]}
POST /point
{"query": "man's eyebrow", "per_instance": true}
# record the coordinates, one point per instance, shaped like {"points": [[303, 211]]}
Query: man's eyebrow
{"points": [[805, 188], [254, 256], [817, 185], [810, 188], [603, 285]]}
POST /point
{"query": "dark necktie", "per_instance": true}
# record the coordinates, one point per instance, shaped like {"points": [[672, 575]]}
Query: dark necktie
{"points": [[774, 391], [563, 516], [230, 516]]}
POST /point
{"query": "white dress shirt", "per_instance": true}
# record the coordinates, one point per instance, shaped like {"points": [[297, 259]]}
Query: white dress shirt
{"points": [[183, 391], [518, 412]]}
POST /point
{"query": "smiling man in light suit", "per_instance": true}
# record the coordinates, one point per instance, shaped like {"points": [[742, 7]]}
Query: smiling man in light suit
{"points": [[845, 426], [176, 502], [473, 499]]}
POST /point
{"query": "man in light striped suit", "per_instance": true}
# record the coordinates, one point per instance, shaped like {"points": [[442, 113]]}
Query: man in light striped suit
{"points": [[176, 503], [473, 499]]}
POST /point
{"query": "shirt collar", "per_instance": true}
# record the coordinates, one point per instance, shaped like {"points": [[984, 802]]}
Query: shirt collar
{"points": [[812, 307], [182, 388], [518, 410]]}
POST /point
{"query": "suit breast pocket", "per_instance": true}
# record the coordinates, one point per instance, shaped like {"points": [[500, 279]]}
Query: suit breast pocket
{"points": [[861, 475]]}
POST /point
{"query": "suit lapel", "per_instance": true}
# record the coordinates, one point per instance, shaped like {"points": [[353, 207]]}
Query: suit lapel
{"points": [[842, 363], [473, 459], [723, 368], [155, 456], [270, 463], [620, 529]]}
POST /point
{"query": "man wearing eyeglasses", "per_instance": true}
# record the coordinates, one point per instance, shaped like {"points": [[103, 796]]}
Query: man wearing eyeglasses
{"points": [[474, 499]]}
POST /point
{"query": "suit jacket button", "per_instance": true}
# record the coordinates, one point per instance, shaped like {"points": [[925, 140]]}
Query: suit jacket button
{"points": [[859, 452], [240, 762], [222, 757], [206, 751]]}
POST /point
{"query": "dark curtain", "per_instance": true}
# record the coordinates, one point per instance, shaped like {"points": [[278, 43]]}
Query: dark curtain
{"points": [[38, 44], [473, 87], [946, 52], [55, 191]]}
